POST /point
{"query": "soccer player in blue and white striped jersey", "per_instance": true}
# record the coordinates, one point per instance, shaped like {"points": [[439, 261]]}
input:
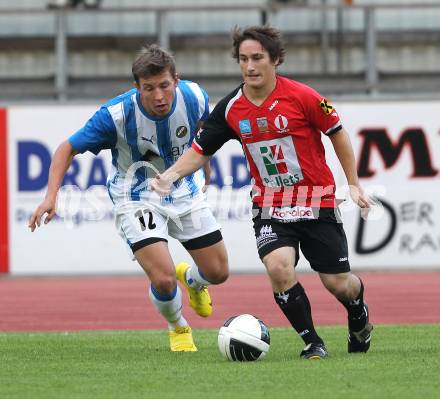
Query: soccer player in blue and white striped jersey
{"points": [[147, 129]]}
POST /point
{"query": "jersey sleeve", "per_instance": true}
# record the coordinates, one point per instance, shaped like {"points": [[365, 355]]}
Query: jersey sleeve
{"points": [[215, 131], [320, 113], [204, 105], [97, 134]]}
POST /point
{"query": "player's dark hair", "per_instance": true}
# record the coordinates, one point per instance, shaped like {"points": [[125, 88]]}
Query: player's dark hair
{"points": [[270, 38], [151, 61]]}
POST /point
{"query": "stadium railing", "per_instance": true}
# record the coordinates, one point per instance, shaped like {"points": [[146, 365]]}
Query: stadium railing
{"points": [[331, 39]]}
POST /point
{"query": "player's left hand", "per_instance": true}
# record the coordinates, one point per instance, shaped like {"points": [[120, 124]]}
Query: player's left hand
{"points": [[361, 199]]}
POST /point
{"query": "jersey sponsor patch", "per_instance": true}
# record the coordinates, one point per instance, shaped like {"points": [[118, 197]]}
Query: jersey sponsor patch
{"points": [[289, 214], [263, 125], [277, 162], [181, 131], [245, 126], [281, 123], [326, 106]]}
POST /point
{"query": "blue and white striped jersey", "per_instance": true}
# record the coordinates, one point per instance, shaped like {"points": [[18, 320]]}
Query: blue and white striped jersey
{"points": [[142, 144]]}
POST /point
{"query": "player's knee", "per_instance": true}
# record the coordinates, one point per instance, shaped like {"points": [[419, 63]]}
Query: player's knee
{"points": [[222, 275], [336, 290], [165, 284], [337, 287], [219, 273], [277, 269]]}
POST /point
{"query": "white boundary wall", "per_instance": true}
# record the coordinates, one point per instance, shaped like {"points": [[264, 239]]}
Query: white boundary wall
{"points": [[406, 176]]}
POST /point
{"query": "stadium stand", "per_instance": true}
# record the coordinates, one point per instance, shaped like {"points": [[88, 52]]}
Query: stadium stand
{"points": [[354, 48]]}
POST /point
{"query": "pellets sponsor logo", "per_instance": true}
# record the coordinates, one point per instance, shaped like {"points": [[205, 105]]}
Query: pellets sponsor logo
{"points": [[273, 159]]}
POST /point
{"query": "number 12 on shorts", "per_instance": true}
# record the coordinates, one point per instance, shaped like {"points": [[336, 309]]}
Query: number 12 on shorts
{"points": [[140, 215]]}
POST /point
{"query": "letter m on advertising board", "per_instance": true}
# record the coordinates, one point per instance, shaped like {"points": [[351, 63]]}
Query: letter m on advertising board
{"points": [[414, 139]]}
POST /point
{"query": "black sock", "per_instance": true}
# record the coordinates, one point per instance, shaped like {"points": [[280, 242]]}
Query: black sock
{"points": [[356, 312], [296, 307]]}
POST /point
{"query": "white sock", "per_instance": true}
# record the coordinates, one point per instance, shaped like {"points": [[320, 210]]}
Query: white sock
{"points": [[195, 278], [169, 306]]}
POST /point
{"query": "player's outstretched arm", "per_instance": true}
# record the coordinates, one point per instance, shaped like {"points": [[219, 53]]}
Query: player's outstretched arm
{"points": [[344, 151], [207, 164], [207, 172], [60, 163], [188, 163]]}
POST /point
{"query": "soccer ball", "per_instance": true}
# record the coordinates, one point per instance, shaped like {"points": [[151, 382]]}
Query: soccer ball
{"points": [[244, 338]]}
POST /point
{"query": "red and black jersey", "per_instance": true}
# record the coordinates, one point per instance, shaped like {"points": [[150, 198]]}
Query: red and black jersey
{"points": [[281, 140]]}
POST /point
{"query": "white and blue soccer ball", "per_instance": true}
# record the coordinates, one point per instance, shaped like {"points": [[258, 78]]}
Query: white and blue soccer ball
{"points": [[244, 338]]}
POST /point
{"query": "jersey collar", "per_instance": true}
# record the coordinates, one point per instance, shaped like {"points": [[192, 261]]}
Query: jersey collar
{"points": [[268, 99]]}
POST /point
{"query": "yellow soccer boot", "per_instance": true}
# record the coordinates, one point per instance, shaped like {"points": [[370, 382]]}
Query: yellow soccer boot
{"points": [[200, 300], [181, 340]]}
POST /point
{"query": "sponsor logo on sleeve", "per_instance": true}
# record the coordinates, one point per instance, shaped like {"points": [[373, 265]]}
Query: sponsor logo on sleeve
{"points": [[326, 106]]}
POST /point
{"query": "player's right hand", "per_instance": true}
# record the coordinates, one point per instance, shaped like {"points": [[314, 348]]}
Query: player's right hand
{"points": [[47, 206]]}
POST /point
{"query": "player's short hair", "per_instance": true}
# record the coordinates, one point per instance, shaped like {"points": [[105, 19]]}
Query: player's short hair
{"points": [[151, 61], [270, 38]]}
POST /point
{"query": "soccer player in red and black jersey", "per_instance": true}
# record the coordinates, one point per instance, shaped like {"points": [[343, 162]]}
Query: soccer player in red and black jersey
{"points": [[279, 123]]}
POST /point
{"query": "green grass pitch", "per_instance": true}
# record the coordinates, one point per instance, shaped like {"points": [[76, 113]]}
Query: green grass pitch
{"points": [[404, 362]]}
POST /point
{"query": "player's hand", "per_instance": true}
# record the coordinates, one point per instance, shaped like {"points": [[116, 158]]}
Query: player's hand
{"points": [[361, 199], [48, 206], [205, 187], [162, 184], [207, 171]]}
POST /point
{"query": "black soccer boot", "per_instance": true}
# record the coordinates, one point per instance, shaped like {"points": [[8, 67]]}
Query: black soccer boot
{"points": [[314, 352], [359, 341]]}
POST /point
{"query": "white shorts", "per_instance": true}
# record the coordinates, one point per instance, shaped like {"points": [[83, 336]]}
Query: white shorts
{"points": [[141, 223]]}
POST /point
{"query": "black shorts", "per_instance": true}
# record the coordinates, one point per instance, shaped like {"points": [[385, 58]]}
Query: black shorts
{"points": [[195, 243], [322, 240]]}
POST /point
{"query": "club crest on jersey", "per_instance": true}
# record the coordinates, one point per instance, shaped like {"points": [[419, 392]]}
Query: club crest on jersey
{"points": [[281, 123], [245, 127], [326, 106], [262, 124], [181, 131]]}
